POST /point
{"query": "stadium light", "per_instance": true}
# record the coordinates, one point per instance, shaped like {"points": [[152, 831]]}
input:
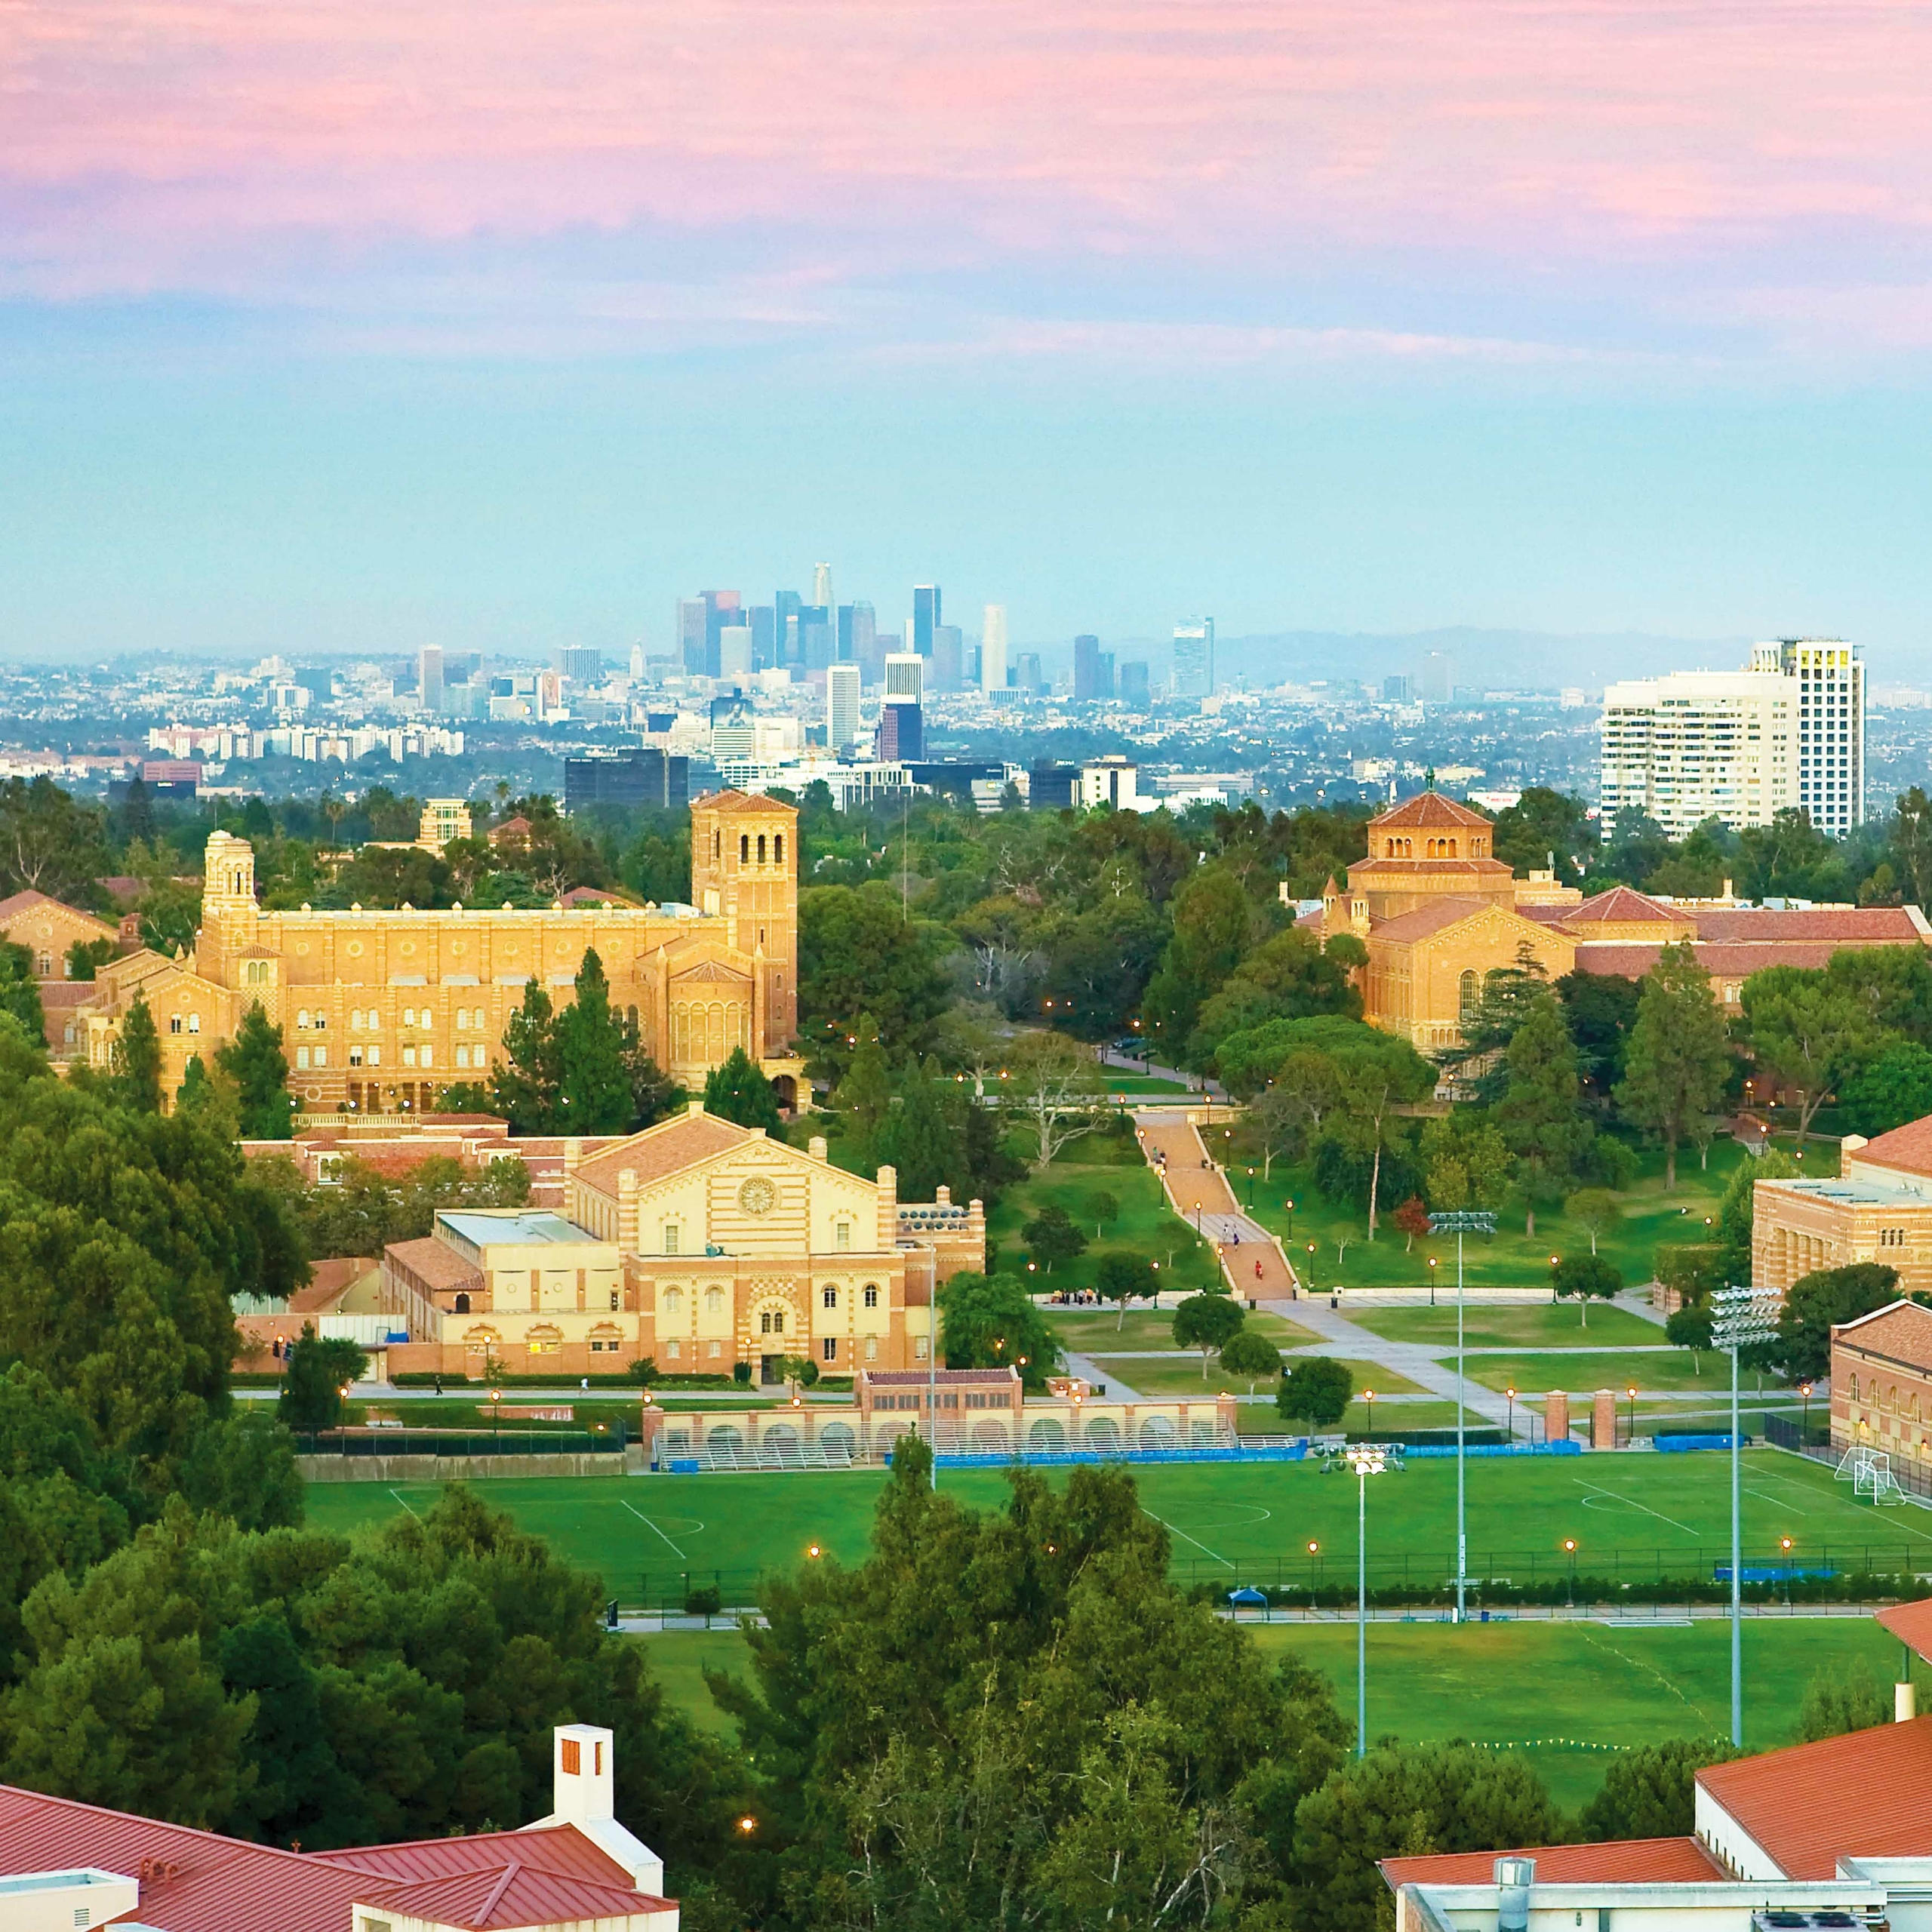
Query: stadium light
{"points": [[1745, 1317], [1366, 1460], [1475, 1221]]}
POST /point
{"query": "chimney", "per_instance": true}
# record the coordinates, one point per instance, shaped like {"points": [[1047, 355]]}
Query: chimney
{"points": [[695, 1107], [1514, 1877], [816, 1147], [581, 1774], [1904, 1702]]}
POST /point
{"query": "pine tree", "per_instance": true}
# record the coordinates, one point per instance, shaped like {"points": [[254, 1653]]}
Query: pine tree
{"points": [[19, 992], [196, 1090], [1677, 1060], [594, 1083], [864, 1096], [738, 1091], [253, 1059], [654, 1093], [527, 1083], [138, 1060], [921, 1139], [1540, 1114]]}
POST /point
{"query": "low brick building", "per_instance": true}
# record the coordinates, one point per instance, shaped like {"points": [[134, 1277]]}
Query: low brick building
{"points": [[1881, 1383]]}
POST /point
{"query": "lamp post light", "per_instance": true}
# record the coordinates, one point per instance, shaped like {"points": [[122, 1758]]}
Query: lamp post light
{"points": [[1250, 1190], [1366, 1461], [1368, 1396], [1570, 1550], [495, 1416], [1745, 1315], [1784, 1544], [1805, 1424], [1291, 1207], [1509, 1428], [1632, 1392], [1311, 1267], [1432, 1281], [1479, 1221]]}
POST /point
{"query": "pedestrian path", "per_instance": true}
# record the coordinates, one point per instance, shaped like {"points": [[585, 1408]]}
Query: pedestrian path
{"points": [[1255, 1265]]}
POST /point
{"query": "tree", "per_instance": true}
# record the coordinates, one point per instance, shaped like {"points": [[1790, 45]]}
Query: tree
{"points": [[1378, 1075], [1890, 1090], [859, 953], [1051, 1236], [1207, 1322], [1691, 1327], [1912, 843], [1100, 1207], [1214, 927], [1288, 1110], [1538, 1115], [1599, 1009], [1509, 995], [1056, 1090], [1412, 1218], [1815, 1303], [138, 1060], [1467, 1163], [864, 1095], [1651, 1792], [48, 843], [1542, 826], [1596, 1210], [738, 1091], [1584, 1275], [1737, 1213], [86, 957], [527, 1078], [243, 1467], [923, 1138], [317, 1370], [1123, 1277], [19, 992], [971, 1037], [1837, 1701], [197, 1090], [253, 1059], [1250, 1354], [1815, 1033], [1400, 1799], [1676, 1061], [989, 1321], [594, 1082]]}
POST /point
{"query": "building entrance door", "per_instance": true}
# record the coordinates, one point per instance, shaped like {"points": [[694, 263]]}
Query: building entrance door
{"points": [[771, 1369]]}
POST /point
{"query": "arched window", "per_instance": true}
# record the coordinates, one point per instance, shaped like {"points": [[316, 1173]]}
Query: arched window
{"points": [[1452, 848], [778, 848], [714, 1301], [829, 1295], [1854, 1387], [744, 848], [1466, 987], [462, 1304], [674, 1300], [760, 848]]}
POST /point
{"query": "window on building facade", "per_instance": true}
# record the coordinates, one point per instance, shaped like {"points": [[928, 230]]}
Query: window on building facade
{"points": [[428, 1055], [841, 1236], [829, 1295], [918, 1347], [828, 1349], [670, 1236], [771, 1321], [674, 1301], [714, 1301], [194, 1023], [322, 1053], [174, 1023], [356, 1056], [302, 1058], [716, 1349], [872, 1296], [872, 1348], [1854, 1387], [375, 1056], [778, 848], [674, 1350]]}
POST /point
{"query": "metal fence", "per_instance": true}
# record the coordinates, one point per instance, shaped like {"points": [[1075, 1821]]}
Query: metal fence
{"points": [[448, 1442]]}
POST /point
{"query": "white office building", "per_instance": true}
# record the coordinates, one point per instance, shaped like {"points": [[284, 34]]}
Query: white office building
{"points": [[905, 677], [1741, 746], [993, 648], [1194, 657], [842, 707]]}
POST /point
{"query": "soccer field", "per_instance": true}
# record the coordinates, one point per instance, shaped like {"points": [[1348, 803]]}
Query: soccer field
{"points": [[1599, 1688], [1635, 1517]]}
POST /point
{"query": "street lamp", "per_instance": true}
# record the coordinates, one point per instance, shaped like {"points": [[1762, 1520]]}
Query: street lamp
{"points": [[1570, 1550], [1480, 1221], [1368, 1396], [1745, 1315], [1250, 1190], [1432, 1281], [1784, 1543], [1509, 1428], [496, 1416], [1291, 1207], [1311, 1267], [1366, 1461], [1632, 1392], [1804, 1425]]}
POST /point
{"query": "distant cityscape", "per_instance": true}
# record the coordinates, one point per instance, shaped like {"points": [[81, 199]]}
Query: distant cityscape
{"points": [[782, 694]]}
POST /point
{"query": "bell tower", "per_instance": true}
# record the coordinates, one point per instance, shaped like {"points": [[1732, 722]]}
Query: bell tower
{"points": [[228, 904], [745, 870]]}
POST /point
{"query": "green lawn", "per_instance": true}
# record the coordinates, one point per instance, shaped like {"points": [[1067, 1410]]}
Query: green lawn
{"points": [[1101, 1330], [1172, 1375], [1511, 1258], [1599, 1687], [1117, 1082], [1586, 1370], [1536, 1325], [1636, 1516], [1146, 1225]]}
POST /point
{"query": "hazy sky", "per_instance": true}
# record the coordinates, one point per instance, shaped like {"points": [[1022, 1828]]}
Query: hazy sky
{"points": [[395, 321]]}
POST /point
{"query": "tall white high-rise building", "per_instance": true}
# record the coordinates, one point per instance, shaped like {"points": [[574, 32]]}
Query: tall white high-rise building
{"points": [[1829, 676], [905, 677], [430, 678], [637, 663], [842, 707], [993, 648], [1741, 746], [1194, 657], [821, 586]]}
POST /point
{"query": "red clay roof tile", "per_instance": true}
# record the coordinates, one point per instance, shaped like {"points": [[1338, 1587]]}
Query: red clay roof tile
{"points": [[1621, 1861]]}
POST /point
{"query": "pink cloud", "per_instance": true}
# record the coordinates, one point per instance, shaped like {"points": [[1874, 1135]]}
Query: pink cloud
{"points": [[146, 145]]}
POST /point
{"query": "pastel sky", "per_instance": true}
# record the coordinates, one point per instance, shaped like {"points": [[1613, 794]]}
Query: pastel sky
{"points": [[361, 323]]}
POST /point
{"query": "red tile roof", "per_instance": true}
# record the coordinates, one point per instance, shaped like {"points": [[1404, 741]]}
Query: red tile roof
{"points": [[1912, 1624], [1621, 1861], [1908, 1148], [1621, 906], [741, 802], [1420, 920], [1862, 1795], [440, 1269], [664, 1149], [199, 1881], [1428, 808], [1900, 1332], [1847, 925]]}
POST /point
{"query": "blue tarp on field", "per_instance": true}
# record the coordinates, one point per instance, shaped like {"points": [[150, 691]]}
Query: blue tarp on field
{"points": [[1571, 1447], [1677, 1445]]}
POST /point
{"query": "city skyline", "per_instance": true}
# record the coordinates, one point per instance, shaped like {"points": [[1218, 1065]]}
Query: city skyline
{"points": [[1579, 320]]}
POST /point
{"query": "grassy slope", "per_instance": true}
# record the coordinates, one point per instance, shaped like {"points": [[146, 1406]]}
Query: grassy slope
{"points": [[1539, 1325]]}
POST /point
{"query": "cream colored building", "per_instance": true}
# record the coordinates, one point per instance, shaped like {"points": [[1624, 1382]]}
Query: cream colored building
{"points": [[380, 1010], [699, 1243], [1879, 1209]]}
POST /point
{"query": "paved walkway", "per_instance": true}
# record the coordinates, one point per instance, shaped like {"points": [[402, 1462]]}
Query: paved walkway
{"points": [[1415, 1361], [1200, 1193]]}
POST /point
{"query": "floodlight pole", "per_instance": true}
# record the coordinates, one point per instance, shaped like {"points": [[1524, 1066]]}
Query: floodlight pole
{"points": [[1361, 1608], [1462, 1519], [1737, 1574]]}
